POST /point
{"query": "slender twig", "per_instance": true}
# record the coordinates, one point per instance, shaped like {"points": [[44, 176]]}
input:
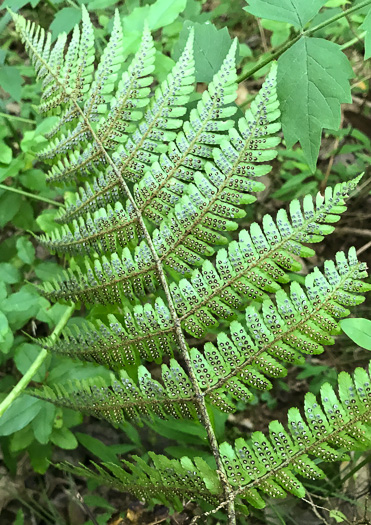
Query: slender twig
{"points": [[20, 119], [22, 384], [200, 401], [30, 195], [307, 32]]}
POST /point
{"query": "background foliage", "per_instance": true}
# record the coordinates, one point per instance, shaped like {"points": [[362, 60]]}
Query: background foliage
{"points": [[328, 62]]}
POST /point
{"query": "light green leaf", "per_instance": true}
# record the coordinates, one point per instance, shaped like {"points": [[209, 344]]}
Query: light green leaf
{"points": [[42, 425], [11, 81], [9, 274], [208, 58], [9, 205], [100, 4], [65, 20], [338, 516], [295, 12], [5, 153], [48, 270], [63, 438], [25, 250], [19, 414], [20, 301], [358, 330], [366, 26], [25, 355], [313, 80], [280, 31], [4, 326], [164, 12]]}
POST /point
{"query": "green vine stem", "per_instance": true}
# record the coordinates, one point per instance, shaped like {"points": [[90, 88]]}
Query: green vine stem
{"points": [[20, 119], [293, 41], [30, 195], [23, 383]]}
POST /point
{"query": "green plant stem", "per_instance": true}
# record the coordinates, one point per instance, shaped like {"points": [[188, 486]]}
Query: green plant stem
{"points": [[20, 119], [353, 41], [308, 32], [22, 384], [30, 195]]}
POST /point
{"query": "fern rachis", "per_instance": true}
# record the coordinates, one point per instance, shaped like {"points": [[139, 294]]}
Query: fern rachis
{"points": [[167, 188]]}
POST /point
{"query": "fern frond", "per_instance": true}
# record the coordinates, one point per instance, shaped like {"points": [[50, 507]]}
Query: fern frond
{"points": [[144, 332], [258, 261], [169, 481], [264, 464], [65, 79], [97, 97], [123, 399], [284, 331], [165, 180], [211, 200], [154, 130], [252, 265]]}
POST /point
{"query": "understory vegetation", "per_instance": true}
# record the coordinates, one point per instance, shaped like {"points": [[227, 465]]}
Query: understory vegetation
{"points": [[185, 318]]}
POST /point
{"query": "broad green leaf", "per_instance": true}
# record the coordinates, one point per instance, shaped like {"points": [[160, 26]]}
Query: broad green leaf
{"points": [[34, 180], [19, 414], [40, 456], [19, 519], [65, 20], [100, 4], [20, 301], [99, 449], [208, 58], [42, 425], [280, 31], [63, 438], [9, 274], [313, 80], [4, 327], [295, 12], [25, 355], [358, 330], [25, 250], [9, 205], [366, 26], [164, 12], [11, 81], [160, 14], [48, 270], [5, 153]]}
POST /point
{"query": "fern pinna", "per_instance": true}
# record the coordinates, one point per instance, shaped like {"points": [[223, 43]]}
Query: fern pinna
{"points": [[160, 184]]}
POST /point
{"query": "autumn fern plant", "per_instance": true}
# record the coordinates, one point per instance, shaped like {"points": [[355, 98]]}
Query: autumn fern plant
{"points": [[160, 184]]}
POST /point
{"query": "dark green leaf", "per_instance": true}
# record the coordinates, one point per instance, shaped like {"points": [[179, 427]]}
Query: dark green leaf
{"points": [[43, 423], [25, 250], [11, 81], [65, 20], [313, 80], [208, 58], [19, 414], [9, 274], [295, 12], [366, 26], [25, 355], [358, 330]]}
